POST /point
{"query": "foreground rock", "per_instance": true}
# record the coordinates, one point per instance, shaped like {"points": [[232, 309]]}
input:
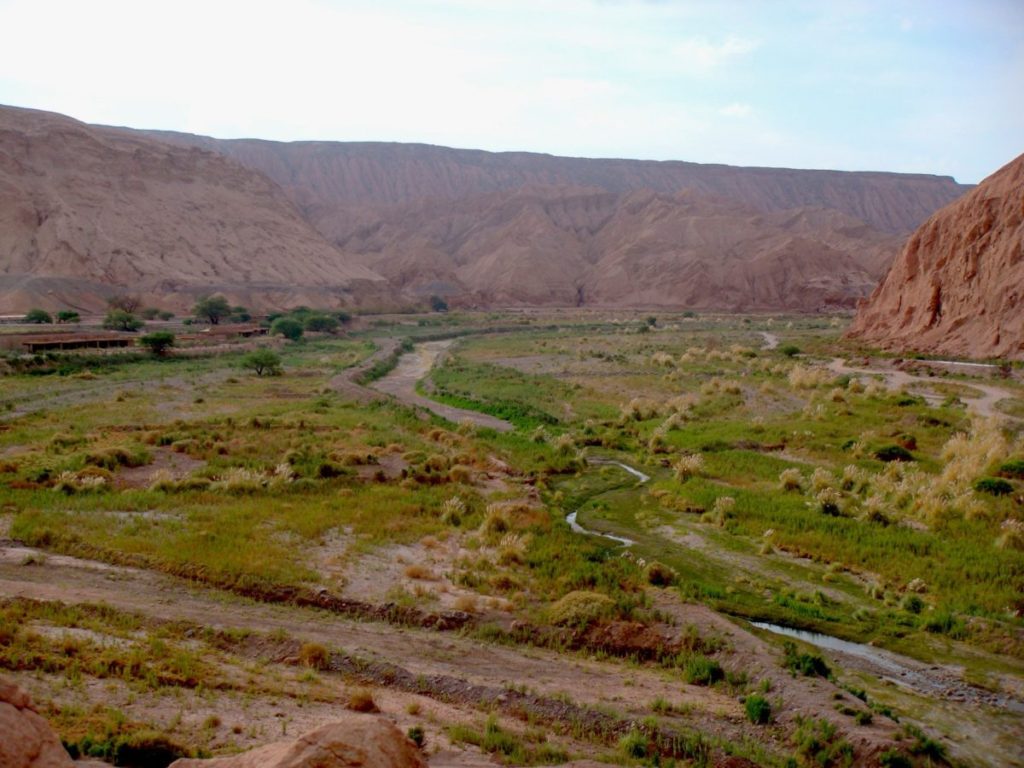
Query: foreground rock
{"points": [[958, 286], [26, 740], [356, 740]]}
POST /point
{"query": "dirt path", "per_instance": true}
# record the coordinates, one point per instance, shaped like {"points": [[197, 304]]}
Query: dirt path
{"points": [[985, 405], [413, 366]]}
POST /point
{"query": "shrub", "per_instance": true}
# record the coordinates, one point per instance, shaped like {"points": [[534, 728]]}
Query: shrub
{"points": [[807, 664], [893, 453], [119, 320], [1011, 535], [38, 316], [912, 604], [700, 670], [759, 711], [893, 758], [789, 350], [314, 655], [688, 466], [148, 748], [580, 608], [659, 574], [159, 342], [288, 327], [790, 479], [361, 700], [321, 324], [68, 316], [437, 304], [263, 361], [417, 735], [1014, 469], [994, 486], [635, 745]]}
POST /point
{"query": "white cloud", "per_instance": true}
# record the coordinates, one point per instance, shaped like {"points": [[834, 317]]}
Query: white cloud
{"points": [[736, 109], [699, 56]]}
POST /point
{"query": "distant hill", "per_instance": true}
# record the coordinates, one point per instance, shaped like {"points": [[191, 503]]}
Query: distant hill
{"points": [[88, 211], [958, 286], [322, 176]]}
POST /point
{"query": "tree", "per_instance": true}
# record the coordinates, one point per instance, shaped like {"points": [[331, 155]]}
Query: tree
{"points": [[150, 313], [240, 314], [119, 320], [213, 308], [125, 302], [38, 316], [68, 316], [165, 315], [288, 327], [263, 361], [437, 304], [321, 323], [158, 342]]}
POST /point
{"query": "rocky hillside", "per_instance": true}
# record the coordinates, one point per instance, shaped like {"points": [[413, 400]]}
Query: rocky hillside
{"points": [[322, 176], [958, 286], [569, 246], [87, 211]]}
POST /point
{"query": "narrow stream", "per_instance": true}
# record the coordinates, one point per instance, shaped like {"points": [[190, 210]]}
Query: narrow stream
{"points": [[571, 517]]}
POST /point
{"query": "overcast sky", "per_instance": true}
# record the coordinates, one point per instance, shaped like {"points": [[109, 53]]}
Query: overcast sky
{"points": [[934, 86]]}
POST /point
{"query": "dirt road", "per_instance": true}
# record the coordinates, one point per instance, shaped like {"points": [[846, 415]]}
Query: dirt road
{"points": [[413, 366], [985, 405]]}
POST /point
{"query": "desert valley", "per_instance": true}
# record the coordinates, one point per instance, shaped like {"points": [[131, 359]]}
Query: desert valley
{"points": [[320, 454]]}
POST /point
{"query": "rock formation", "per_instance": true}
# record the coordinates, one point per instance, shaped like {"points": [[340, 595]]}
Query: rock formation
{"points": [[85, 212], [366, 741], [958, 286], [26, 740]]}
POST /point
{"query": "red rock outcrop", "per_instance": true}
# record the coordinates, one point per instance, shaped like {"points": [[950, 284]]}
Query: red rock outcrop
{"points": [[356, 740], [26, 740], [86, 211], [958, 286]]}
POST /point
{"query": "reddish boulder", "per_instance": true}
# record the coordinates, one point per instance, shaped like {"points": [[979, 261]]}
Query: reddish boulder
{"points": [[28, 741]]}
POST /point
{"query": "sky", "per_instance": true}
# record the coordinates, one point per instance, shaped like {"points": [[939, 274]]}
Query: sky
{"points": [[931, 86]]}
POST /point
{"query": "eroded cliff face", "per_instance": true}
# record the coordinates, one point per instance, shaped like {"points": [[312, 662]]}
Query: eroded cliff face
{"points": [[85, 212], [566, 246], [322, 176], [958, 286]]}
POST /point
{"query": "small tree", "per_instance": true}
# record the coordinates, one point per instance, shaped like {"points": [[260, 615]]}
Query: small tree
{"points": [[38, 316], [240, 314], [263, 361], [212, 308], [789, 350], [149, 313], [321, 323], [165, 315], [342, 316], [158, 342], [68, 316], [288, 327], [125, 302], [119, 320], [437, 304]]}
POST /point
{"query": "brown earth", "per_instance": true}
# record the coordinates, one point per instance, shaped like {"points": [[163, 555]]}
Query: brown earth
{"points": [[86, 212], [958, 286]]}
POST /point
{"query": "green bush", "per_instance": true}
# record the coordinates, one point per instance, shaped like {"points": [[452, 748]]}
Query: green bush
{"points": [[893, 453], [119, 320], [68, 316], [789, 350], [994, 486], [158, 342], [807, 664], [1014, 469], [288, 327], [38, 316], [759, 711], [700, 670], [912, 604], [321, 324], [212, 309]]}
